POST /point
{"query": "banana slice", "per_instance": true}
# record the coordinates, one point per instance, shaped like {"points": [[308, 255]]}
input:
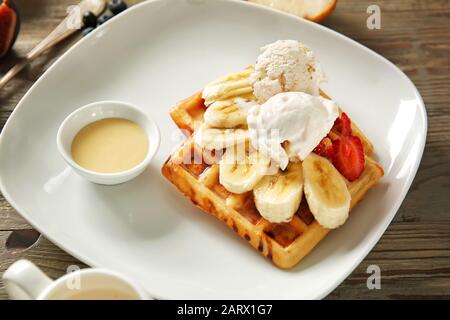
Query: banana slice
{"points": [[217, 139], [239, 173], [225, 114], [277, 197], [233, 85], [326, 192]]}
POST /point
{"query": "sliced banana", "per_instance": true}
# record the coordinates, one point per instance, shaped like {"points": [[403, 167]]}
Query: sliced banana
{"points": [[233, 85], [277, 197], [225, 114], [217, 139], [239, 172], [326, 192]]}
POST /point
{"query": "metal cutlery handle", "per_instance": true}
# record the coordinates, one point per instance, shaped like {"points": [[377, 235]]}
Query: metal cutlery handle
{"points": [[67, 27]]}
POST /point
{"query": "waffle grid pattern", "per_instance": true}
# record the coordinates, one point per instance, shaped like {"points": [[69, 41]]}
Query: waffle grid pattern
{"points": [[195, 172]]}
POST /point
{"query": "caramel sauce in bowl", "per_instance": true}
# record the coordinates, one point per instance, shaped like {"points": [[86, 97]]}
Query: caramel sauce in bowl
{"points": [[108, 142]]}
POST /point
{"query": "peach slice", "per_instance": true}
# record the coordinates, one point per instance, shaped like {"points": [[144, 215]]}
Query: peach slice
{"points": [[314, 10]]}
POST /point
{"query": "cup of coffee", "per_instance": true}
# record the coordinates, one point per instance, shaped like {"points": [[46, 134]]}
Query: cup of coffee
{"points": [[24, 281]]}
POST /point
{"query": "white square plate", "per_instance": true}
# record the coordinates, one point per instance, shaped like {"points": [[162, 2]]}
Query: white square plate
{"points": [[152, 56]]}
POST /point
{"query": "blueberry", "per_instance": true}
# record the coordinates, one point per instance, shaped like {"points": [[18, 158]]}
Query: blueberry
{"points": [[87, 30], [117, 6], [89, 20], [103, 18]]}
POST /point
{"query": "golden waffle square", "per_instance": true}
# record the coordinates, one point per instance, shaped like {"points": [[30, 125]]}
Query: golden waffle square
{"points": [[195, 172]]}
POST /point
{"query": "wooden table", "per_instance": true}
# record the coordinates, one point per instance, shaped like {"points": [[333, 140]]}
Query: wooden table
{"points": [[414, 253]]}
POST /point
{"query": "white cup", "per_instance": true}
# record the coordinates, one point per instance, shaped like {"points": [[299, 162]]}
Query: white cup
{"points": [[24, 281]]}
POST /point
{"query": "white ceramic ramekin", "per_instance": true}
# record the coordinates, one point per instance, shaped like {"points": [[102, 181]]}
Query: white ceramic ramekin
{"points": [[98, 111]]}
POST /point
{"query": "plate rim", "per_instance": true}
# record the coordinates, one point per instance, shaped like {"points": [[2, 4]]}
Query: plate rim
{"points": [[370, 244]]}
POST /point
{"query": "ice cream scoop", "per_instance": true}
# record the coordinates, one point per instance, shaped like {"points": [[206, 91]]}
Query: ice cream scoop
{"points": [[285, 66], [296, 119]]}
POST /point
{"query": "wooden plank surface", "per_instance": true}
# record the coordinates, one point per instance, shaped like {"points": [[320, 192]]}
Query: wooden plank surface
{"points": [[414, 254]]}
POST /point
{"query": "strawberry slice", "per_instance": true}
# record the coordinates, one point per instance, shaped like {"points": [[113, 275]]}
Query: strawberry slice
{"points": [[349, 157], [325, 148], [343, 125]]}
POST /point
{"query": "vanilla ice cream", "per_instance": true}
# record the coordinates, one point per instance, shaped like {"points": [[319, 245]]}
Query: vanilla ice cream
{"points": [[284, 66], [294, 119]]}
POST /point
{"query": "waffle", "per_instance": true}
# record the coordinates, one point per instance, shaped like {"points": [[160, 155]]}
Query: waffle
{"points": [[195, 172]]}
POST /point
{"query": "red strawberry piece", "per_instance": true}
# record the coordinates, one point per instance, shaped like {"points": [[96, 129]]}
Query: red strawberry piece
{"points": [[343, 125], [349, 157], [9, 26], [325, 148]]}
